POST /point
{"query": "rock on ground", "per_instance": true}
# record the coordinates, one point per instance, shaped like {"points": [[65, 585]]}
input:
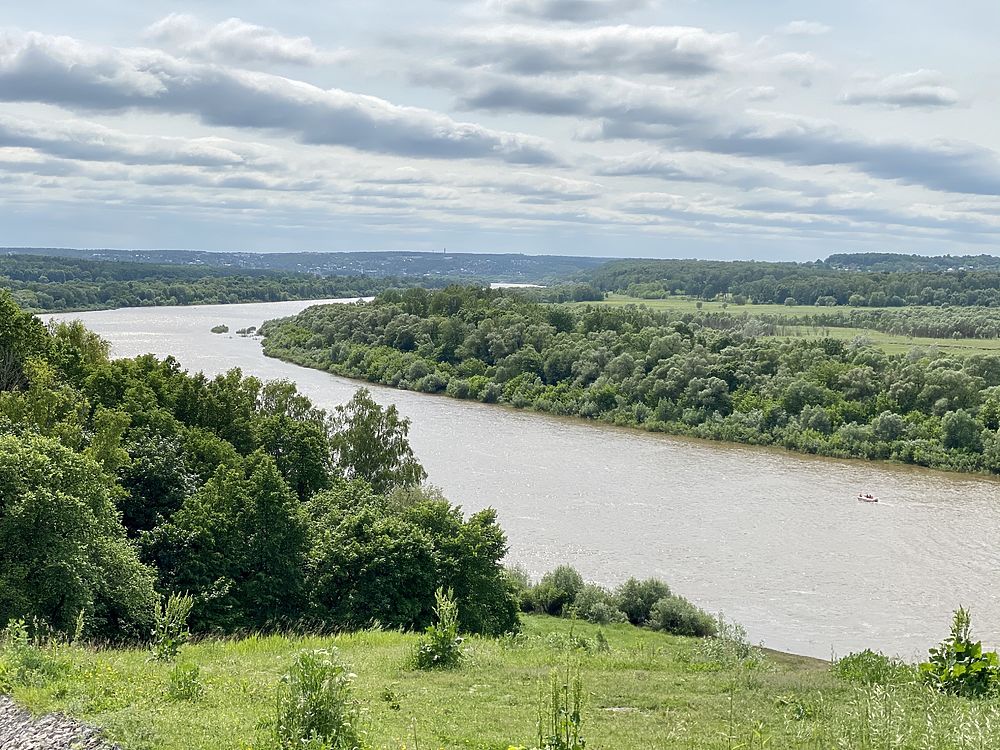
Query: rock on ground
{"points": [[20, 731]]}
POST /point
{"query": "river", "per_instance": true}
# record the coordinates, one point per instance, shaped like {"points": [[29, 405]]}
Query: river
{"points": [[774, 540]]}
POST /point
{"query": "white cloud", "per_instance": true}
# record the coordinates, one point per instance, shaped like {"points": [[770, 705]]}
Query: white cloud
{"points": [[921, 88], [534, 50], [67, 73], [235, 40]]}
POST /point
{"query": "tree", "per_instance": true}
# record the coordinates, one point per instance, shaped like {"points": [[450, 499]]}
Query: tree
{"points": [[239, 545], [63, 551], [961, 431], [370, 443]]}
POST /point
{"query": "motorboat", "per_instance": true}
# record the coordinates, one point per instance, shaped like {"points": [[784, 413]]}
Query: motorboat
{"points": [[867, 497]]}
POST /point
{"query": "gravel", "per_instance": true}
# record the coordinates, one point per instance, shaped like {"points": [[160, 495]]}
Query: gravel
{"points": [[20, 731]]}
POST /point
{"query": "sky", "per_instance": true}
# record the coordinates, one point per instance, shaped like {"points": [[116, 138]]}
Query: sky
{"points": [[637, 128]]}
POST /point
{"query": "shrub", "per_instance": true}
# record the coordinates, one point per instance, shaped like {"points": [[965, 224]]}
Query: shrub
{"points": [[730, 647], [185, 683], [556, 590], [171, 631], [872, 668], [220, 329], [960, 666], [676, 615], [596, 604], [636, 598], [441, 647], [315, 708]]}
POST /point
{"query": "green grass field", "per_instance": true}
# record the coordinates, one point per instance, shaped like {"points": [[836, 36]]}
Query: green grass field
{"points": [[646, 690], [890, 343]]}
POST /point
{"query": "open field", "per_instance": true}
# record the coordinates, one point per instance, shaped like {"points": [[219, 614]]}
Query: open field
{"points": [[643, 690], [890, 343]]}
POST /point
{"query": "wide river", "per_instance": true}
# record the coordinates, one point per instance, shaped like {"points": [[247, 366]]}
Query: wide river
{"points": [[774, 540]]}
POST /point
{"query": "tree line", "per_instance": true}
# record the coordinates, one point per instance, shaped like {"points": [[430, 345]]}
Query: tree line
{"points": [[662, 372], [819, 283], [56, 284], [125, 481]]}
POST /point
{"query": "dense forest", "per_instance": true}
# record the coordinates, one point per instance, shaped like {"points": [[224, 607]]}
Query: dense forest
{"points": [[54, 284], [663, 372], [486, 267], [125, 480], [798, 283]]}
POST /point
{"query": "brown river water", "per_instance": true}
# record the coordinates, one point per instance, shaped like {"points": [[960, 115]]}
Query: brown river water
{"points": [[775, 540]]}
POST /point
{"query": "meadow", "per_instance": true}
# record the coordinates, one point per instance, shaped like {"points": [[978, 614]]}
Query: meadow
{"points": [[888, 342], [642, 689]]}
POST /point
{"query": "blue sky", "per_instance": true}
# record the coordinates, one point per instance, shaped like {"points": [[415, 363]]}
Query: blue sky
{"points": [[660, 128]]}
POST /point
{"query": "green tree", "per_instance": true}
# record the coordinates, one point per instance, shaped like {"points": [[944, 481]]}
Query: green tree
{"points": [[370, 443], [63, 550]]}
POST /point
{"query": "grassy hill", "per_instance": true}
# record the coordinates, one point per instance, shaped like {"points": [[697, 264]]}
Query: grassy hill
{"points": [[642, 690]]}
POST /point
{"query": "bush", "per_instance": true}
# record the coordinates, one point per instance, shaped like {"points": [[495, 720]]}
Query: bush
{"points": [[596, 604], [676, 615], [872, 668], [636, 598], [959, 666], [556, 591], [441, 647], [315, 708]]}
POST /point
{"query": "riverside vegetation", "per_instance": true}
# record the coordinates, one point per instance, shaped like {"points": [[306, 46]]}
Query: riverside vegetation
{"points": [[692, 373], [216, 563]]}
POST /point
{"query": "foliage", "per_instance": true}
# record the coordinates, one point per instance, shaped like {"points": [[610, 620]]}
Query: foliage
{"points": [[23, 660], [596, 604], [62, 547], [636, 598], [872, 668], [675, 614], [315, 707], [370, 443], [959, 665], [556, 592], [560, 713], [171, 631], [714, 375], [120, 476], [729, 647], [441, 647], [220, 329]]}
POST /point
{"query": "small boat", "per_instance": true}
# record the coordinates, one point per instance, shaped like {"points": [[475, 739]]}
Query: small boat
{"points": [[867, 497]]}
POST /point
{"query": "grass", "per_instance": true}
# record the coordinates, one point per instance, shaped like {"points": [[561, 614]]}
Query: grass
{"points": [[645, 690], [890, 343]]}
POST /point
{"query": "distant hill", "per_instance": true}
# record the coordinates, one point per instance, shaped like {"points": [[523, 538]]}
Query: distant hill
{"points": [[898, 262]]}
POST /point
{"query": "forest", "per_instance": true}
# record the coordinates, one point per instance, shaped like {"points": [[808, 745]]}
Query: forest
{"points": [[123, 481], [823, 284], [662, 371], [48, 284]]}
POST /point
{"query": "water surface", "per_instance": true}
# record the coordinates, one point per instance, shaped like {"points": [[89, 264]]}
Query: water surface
{"points": [[773, 539]]}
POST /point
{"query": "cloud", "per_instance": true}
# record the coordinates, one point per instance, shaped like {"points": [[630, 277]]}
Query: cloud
{"points": [[531, 50], [704, 168], [576, 96], [235, 40], [803, 28], [85, 141], [939, 165], [921, 88], [570, 10], [64, 72]]}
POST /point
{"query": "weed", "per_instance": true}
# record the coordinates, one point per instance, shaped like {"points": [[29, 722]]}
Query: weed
{"points": [[171, 631], [560, 714], [315, 708], [441, 647], [185, 683]]}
